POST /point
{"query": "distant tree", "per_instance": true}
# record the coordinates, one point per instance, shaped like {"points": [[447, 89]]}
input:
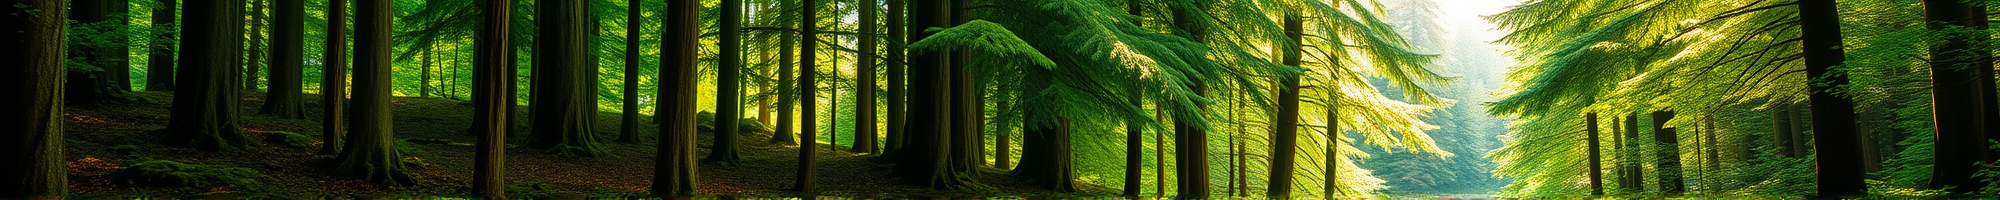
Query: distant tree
{"points": [[33, 118], [628, 126], [674, 168], [370, 152], [809, 136], [568, 109], [728, 90], [897, 123], [333, 79], [864, 101], [787, 94], [204, 114], [102, 47], [490, 97], [257, 48], [160, 61], [1596, 165], [287, 70]]}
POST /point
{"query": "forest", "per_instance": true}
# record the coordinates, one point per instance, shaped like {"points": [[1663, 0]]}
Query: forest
{"points": [[1002, 99]]}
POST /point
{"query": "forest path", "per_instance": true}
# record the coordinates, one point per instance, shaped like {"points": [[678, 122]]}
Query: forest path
{"points": [[437, 146]]}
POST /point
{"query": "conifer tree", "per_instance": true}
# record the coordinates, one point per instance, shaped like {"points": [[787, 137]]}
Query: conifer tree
{"points": [[204, 113], [287, 61], [370, 152]]}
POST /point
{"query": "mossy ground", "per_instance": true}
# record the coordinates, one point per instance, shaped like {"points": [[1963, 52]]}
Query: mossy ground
{"points": [[434, 135]]}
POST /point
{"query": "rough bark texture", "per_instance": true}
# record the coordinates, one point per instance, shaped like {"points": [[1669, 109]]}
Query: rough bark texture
{"points": [[1596, 161], [628, 126], [897, 116], [287, 60], [1046, 156], [33, 144], [569, 99], [205, 110], [928, 157], [371, 152], [1667, 147], [1989, 97], [1284, 144], [1134, 149], [1838, 151], [809, 41], [788, 96], [674, 168], [728, 87], [490, 98], [864, 110], [160, 61], [333, 80], [1955, 102]]}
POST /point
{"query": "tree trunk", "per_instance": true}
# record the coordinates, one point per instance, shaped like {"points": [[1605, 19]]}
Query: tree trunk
{"points": [[333, 79], [1596, 163], [728, 84], [929, 158], [1003, 142], [1635, 172], [864, 110], [1955, 96], [287, 74], [1989, 99], [370, 153], [1832, 115], [424, 71], [809, 41], [788, 95], [1049, 165], [102, 85], [257, 47], [1190, 141], [1781, 126], [674, 168], [490, 98], [1333, 134], [1134, 148], [628, 131], [160, 61], [33, 117], [206, 116], [897, 122], [1713, 161], [1668, 149], [569, 99], [1284, 144]]}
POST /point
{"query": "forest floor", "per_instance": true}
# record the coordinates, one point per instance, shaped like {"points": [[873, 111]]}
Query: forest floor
{"points": [[433, 135]]}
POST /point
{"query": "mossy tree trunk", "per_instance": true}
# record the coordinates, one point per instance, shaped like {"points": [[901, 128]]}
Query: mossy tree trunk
{"points": [[371, 153], [490, 98], [568, 110], [257, 47], [1667, 147], [333, 80], [33, 118], [674, 168], [205, 114], [287, 72], [160, 61]]}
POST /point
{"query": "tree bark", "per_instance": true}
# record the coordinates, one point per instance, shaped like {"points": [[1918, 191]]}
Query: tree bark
{"points": [[287, 57], [160, 61], [206, 116], [1191, 141], [1781, 126], [1049, 163], [787, 97], [370, 153], [809, 133], [864, 104], [1284, 144], [1667, 145], [1134, 148], [490, 98], [674, 168], [1832, 115], [897, 121], [1955, 98], [1003, 142], [628, 126], [257, 47], [333, 79], [728, 84], [1596, 162], [929, 158], [1635, 172], [569, 110], [33, 117]]}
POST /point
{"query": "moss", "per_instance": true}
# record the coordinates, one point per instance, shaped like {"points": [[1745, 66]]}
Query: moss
{"points": [[410, 149], [289, 140], [177, 174], [705, 121]]}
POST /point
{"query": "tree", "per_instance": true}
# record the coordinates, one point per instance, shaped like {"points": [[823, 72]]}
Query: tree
{"points": [[864, 111], [569, 97], [34, 122], [490, 98], [1955, 97], [1667, 147], [728, 89], [104, 51], [1191, 139], [628, 131], [787, 95], [1635, 174], [204, 113], [370, 152], [674, 168], [1596, 163], [1284, 145], [333, 79], [287, 70], [897, 123], [928, 157], [808, 41], [1838, 151], [257, 47], [160, 63]]}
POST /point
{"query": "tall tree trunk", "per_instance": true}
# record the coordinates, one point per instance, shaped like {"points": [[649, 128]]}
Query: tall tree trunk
{"points": [[33, 117], [160, 61], [1635, 172], [370, 153], [1003, 142], [1667, 145], [788, 97], [205, 112], [1618, 154], [490, 98], [809, 41], [628, 126], [1832, 115], [1333, 134], [1049, 163], [1596, 162], [1284, 144], [1955, 98], [333, 79], [1989, 99], [569, 99], [1134, 148], [1714, 157], [1191, 141], [929, 158], [250, 75], [1781, 126], [674, 168], [897, 122], [864, 101], [287, 58], [728, 84], [102, 85]]}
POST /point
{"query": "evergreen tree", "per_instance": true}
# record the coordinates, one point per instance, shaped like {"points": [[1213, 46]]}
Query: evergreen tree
{"points": [[628, 131], [729, 81], [674, 168], [333, 79], [370, 152], [204, 113], [160, 60], [490, 98], [809, 144], [287, 60], [864, 111], [568, 110]]}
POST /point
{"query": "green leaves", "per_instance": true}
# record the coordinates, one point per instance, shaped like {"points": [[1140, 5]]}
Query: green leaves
{"points": [[991, 40]]}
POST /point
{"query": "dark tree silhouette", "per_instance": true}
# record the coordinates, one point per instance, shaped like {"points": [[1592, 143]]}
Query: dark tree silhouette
{"points": [[205, 109], [490, 98], [1838, 162], [728, 89], [864, 95], [809, 145], [787, 95], [568, 99], [1285, 141], [628, 126], [370, 152], [287, 58], [1955, 99], [333, 79], [898, 125], [674, 168], [33, 145], [1190, 140], [160, 61], [109, 82], [1596, 164]]}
